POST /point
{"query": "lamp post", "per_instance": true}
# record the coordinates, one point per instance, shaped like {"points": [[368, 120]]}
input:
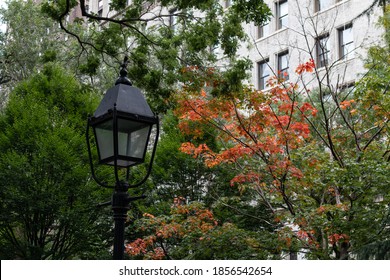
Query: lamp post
{"points": [[122, 125]]}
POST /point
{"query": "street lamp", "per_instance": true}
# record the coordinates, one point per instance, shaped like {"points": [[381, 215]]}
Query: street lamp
{"points": [[122, 125]]}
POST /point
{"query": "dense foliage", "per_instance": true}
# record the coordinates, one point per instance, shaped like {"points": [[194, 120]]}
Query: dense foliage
{"points": [[188, 33], [239, 173], [48, 204], [319, 165]]}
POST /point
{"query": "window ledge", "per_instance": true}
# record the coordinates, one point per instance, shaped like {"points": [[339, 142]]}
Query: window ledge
{"points": [[336, 63]]}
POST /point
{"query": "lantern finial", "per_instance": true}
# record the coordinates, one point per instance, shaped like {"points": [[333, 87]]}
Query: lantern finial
{"points": [[123, 73]]}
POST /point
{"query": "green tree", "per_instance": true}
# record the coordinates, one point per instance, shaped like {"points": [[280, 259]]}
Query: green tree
{"points": [[162, 38], [373, 93], [30, 39], [48, 202]]}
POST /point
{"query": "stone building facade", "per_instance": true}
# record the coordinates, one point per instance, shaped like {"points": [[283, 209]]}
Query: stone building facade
{"points": [[334, 33]]}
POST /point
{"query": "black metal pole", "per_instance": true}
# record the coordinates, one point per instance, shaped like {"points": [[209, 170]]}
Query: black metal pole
{"points": [[120, 206]]}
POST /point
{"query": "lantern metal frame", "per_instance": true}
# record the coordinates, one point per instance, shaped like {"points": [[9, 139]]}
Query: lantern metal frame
{"points": [[115, 114]]}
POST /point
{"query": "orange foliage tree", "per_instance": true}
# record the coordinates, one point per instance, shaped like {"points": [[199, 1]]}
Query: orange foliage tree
{"points": [[256, 126], [283, 145]]}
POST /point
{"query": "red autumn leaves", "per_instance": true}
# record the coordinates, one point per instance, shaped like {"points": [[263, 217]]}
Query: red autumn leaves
{"points": [[266, 125]]}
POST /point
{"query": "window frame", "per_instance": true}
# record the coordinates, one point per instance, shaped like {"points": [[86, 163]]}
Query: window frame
{"points": [[318, 5], [280, 56], [100, 8], [100, 4], [172, 19], [262, 79], [320, 51], [281, 18], [344, 46], [261, 29]]}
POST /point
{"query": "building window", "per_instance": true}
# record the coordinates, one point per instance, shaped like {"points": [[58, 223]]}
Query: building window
{"points": [[264, 30], [172, 19], [346, 45], [264, 73], [323, 50], [100, 8], [323, 4], [282, 14], [283, 63]]}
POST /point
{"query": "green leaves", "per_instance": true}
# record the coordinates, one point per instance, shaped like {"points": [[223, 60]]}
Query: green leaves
{"points": [[119, 5], [254, 11], [45, 193], [32, 40], [160, 43], [232, 34], [91, 66]]}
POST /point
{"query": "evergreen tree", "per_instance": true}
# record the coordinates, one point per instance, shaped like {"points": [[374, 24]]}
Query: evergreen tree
{"points": [[48, 202]]}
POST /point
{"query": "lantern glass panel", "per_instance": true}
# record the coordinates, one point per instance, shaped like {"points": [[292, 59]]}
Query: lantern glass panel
{"points": [[105, 139], [132, 139]]}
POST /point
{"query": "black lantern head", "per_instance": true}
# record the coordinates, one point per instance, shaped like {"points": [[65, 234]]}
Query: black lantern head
{"points": [[122, 125]]}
